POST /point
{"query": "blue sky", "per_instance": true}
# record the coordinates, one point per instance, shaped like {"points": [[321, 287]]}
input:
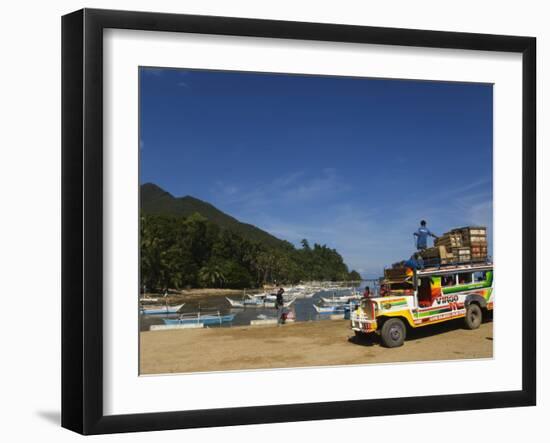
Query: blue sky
{"points": [[353, 163]]}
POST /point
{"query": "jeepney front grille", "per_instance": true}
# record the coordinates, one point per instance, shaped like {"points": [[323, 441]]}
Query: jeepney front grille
{"points": [[370, 310], [365, 313]]}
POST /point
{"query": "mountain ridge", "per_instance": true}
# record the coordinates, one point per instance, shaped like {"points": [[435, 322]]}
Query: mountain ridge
{"points": [[155, 200]]}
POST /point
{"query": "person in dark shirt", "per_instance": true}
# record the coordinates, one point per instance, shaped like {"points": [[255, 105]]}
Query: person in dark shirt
{"points": [[280, 293], [279, 304], [367, 293], [422, 235]]}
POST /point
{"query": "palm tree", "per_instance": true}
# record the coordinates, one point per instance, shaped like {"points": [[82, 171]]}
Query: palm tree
{"points": [[211, 274]]}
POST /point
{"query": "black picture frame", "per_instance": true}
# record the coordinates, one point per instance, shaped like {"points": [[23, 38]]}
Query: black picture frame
{"points": [[82, 218]]}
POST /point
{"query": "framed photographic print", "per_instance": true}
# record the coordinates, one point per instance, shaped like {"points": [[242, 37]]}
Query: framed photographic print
{"points": [[269, 221]]}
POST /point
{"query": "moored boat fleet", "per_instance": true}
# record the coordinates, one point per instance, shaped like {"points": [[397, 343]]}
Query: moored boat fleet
{"points": [[291, 294], [330, 298]]}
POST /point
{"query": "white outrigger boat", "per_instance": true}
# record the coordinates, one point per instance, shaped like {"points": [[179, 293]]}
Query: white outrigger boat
{"points": [[262, 296], [249, 303], [257, 303], [198, 318], [159, 310], [341, 299], [299, 291], [337, 308], [286, 304]]}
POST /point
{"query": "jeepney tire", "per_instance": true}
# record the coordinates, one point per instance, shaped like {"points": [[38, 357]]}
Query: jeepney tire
{"points": [[393, 333], [474, 316]]}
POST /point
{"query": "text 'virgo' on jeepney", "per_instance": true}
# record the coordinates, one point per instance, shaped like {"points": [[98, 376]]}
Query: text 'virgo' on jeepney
{"points": [[453, 279]]}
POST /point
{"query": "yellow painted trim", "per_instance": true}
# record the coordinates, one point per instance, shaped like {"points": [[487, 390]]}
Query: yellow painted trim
{"points": [[403, 313]]}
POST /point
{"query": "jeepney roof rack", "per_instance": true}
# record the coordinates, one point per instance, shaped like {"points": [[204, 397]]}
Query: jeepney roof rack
{"points": [[435, 264]]}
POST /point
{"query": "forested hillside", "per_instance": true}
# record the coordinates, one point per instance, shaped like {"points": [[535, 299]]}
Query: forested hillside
{"points": [[187, 242]]}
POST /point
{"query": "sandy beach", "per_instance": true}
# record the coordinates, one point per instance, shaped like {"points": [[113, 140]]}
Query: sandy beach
{"points": [[320, 343]]}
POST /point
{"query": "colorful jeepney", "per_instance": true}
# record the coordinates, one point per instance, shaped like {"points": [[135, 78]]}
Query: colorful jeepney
{"points": [[415, 298]]}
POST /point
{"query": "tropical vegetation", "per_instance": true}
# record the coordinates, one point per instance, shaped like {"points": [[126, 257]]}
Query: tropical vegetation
{"points": [[179, 250]]}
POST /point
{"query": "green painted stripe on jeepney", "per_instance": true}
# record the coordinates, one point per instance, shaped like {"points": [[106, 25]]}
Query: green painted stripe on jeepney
{"points": [[464, 288], [433, 312]]}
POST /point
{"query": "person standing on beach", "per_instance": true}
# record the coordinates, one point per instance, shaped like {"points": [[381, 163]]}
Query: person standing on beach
{"points": [[279, 304], [422, 236]]}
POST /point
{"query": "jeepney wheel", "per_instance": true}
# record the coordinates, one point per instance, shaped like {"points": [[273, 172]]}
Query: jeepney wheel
{"points": [[473, 316], [393, 333]]}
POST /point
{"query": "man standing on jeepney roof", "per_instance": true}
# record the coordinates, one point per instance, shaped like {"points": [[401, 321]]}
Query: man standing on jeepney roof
{"points": [[422, 236]]}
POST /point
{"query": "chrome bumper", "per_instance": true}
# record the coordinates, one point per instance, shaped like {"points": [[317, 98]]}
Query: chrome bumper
{"points": [[361, 324]]}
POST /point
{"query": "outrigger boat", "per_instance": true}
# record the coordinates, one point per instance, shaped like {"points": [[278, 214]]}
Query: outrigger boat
{"points": [[249, 303], [337, 308], [204, 319], [256, 303], [303, 294], [342, 299], [297, 292], [286, 304], [161, 310], [289, 293], [262, 296], [269, 297], [331, 309]]}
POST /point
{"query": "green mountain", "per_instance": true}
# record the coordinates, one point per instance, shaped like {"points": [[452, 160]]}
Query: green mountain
{"points": [[155, 200]]}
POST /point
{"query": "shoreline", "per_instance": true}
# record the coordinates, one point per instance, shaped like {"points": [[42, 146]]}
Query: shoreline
{"points": [[189, 294]]}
